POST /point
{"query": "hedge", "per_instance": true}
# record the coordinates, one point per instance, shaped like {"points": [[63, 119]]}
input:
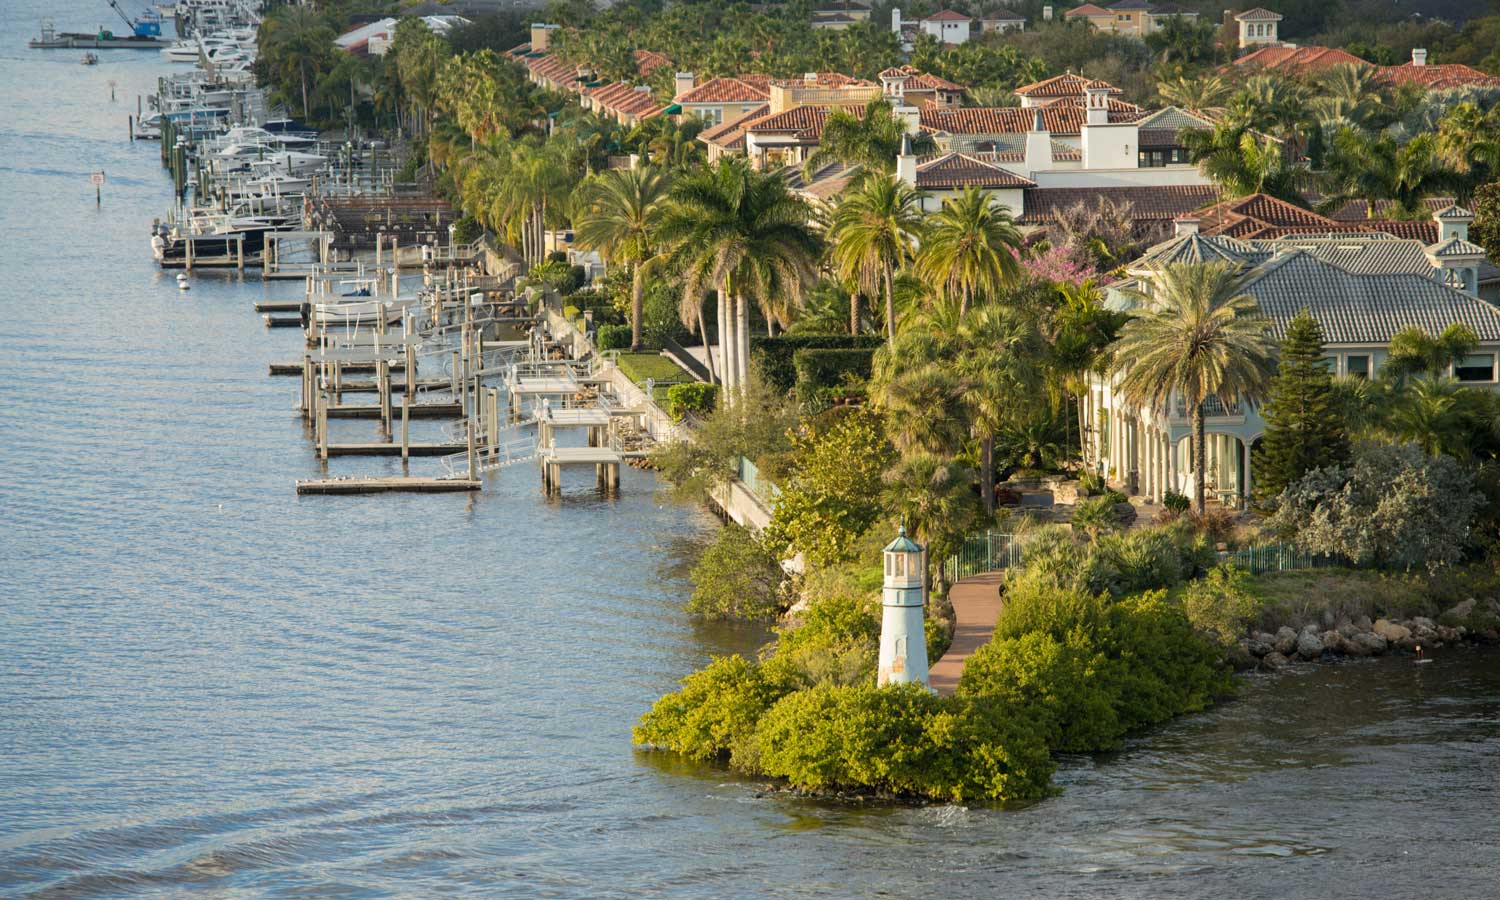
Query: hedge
{"points": [[774, 355], [640, 366], [613, 337], [819, 369], [685, 398]]}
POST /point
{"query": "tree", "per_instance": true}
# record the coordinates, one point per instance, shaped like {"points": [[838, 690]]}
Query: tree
{"points": [[736, 578], [1242, 162], [616, 213], [1197, 335], [744, 234], [970, 247], [998, 360], [1413, 351], [831, 495], [873, 232], [1486, 228], [1369, 167], [297, 41], [1303, 429], [869, 140], [1193, 93], [1396, 506]]}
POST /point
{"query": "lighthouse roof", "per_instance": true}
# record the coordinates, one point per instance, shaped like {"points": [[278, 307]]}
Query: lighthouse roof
{"points": [[903, 544]]}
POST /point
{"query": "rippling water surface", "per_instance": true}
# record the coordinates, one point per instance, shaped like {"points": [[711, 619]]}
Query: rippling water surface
{"points": [[212, 688]]}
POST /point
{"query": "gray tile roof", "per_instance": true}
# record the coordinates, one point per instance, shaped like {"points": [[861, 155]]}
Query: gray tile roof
{"points": [[1453, 212], [1455, 247]]}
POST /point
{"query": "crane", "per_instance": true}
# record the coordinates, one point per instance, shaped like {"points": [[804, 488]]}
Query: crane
{"points": [[145, 26]]}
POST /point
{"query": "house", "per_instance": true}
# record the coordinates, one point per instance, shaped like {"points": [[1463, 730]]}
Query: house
{"points": [[999, 20], [1097, 16], [908, 85], [374, 38], [1311, 60], [720, 100], [943, 176], [1133, 17], [626, 103], [840, 14], [946, 25], [1258, 28], [1059, 87], [1362, 289]]}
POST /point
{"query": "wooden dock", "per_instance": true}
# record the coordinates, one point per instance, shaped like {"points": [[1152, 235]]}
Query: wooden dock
{"points": [[415, 411], [278, 306], [386, 485], [274, 321], [294, 369], [381, 448]]}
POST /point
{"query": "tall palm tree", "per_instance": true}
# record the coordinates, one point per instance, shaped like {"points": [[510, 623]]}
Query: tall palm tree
{"points": [[744, 234], [616, 213], [1242, 162], [297, 41], [1193, 93], [1427, 412], [1196, 335], [997, 359], [868, 139], [1369, 167], [874, 232], [970, 247], [1415, 352]]}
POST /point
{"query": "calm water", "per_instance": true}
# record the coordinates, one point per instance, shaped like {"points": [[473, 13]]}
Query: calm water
{"points": [[210, 688]]}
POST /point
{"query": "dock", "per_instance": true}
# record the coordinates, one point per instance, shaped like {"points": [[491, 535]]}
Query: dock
{"points": [[412, 484], [416, 411], [381, 448]]}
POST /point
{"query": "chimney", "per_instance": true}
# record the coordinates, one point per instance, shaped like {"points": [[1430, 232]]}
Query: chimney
{"points": [[1046, 14], [906, 163], [910, 116], [1185, 226], [1096, 105], [681, 84], [896, 20], [1453, 222], [1038, 145], [1418, 56], [541, 36]]}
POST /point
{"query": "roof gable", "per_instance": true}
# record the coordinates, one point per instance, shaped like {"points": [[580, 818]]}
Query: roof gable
{"points": [[954, 170]]}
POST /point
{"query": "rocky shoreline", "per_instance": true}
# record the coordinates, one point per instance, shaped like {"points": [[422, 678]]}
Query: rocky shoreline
{"points": [[1361, 637]]}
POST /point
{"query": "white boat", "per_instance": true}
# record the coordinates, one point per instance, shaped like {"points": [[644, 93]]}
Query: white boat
{"points": [[364, 311]]}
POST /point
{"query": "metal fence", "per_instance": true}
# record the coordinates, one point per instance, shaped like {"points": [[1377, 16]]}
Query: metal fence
{"points": [[1280, 557], [983, 553]]}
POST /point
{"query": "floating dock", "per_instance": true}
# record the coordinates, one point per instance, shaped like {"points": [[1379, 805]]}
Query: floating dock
{"points": [[411, 484]]}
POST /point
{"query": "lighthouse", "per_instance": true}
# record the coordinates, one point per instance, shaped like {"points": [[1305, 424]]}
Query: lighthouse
{"points": [[903, 640]]}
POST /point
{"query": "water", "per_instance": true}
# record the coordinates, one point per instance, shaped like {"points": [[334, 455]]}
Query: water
{"points": [[212, 688]]}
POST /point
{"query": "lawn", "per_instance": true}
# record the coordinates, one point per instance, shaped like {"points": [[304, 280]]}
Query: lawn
{"points": [[640, 366]]}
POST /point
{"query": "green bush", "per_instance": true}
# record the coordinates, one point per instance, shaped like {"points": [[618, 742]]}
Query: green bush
{"points": [[774, 355], [714, 715], [612, 337], [690, 398], [736, 579], [821, 370], [1059, 680], [1158, 557], [1095, 516], [1091, 484], [640, 366], [1221, 604], [1175, 503]]}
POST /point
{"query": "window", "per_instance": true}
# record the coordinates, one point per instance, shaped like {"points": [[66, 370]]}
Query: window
{"points": [[1330, 363], [1357, 365], [1476, 367]]}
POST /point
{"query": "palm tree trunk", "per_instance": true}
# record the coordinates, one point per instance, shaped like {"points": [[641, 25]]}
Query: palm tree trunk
{"points": [[1200, 457], [726, 360], [637, 307], [742, 342], [302, 68], [890, 306], [708, 346], [987, 473], [854, 312], [963, 301]]}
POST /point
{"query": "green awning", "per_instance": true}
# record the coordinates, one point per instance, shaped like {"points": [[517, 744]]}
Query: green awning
{"points": [[673, 110]]}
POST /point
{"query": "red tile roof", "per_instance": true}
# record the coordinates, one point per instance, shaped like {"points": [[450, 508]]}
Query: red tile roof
{"points": [[1066, 85], [726, 90], [947, 15], [914, 79], [1262, 217], [1360, 210], [1058, 118], [648, 61], [625, 99], [804, 121], [1438, 77], [954, 170], [1313, 59], [1298, 59], [731, 135], [1087, 9]]}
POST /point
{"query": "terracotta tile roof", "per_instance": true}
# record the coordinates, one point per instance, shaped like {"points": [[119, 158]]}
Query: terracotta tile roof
{"points": [[1360, 210], [1065, 85], [1087, 9], [731, 135], [1262, 217], [914, 79], [1297, 59], [1259, 13], [648, 61], [1147, 203], [1438, 77], [1131, 5], [947, 15], [1424, 230], [1058, 118], [806, 122], [954, 170], [1002, 15], [625, 99], [553, 69], [726, 90]]}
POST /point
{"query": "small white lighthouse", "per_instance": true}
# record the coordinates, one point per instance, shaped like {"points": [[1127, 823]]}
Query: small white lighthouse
{"points": [[903, 640]]}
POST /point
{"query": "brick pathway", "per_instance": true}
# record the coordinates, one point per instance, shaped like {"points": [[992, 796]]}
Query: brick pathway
{"points": [[976, 607]]}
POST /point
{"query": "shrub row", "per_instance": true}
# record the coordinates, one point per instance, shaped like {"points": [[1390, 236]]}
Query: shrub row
{"points": [[822, 369], [775, 355]]}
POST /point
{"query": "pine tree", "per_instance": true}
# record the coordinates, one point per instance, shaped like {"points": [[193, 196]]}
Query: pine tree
{"points": [[1303, 430]]}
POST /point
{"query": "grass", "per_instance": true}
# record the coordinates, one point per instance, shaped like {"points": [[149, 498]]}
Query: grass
{"points": [[640, 366]]}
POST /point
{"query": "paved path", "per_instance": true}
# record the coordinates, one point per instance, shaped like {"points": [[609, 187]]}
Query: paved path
{"points": [[976, 607]]}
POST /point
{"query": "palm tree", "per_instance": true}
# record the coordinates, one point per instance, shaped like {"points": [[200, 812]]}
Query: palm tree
{"points": [[1193, 93], [997, 360], [1197, 335], [1468, 145], [970, 246], [745, 235], [1415, 352], [1242, 162], [873, 232], [1370, 167], [616, 213], [1349, 92], [295, 40], [1426, 412], [868, 140]]}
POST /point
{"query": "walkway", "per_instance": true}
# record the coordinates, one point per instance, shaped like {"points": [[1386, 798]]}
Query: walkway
{"points": [[976, 608]]}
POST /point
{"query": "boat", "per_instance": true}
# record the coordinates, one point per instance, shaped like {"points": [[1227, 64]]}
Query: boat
{"points": [[90, 59]]}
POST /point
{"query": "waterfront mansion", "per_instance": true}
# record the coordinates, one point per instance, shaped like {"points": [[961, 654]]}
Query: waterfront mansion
{"points": [[1362, 287]]}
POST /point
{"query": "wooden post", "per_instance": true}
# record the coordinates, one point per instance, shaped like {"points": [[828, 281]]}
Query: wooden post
{"points": [[240, 254], [472, 427], [322, 426], [189, 239], [457, 395], [384, 374], [405, 425]]}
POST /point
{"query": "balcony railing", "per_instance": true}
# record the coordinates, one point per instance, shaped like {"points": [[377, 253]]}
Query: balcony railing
{"points": [[1212, 408]]}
